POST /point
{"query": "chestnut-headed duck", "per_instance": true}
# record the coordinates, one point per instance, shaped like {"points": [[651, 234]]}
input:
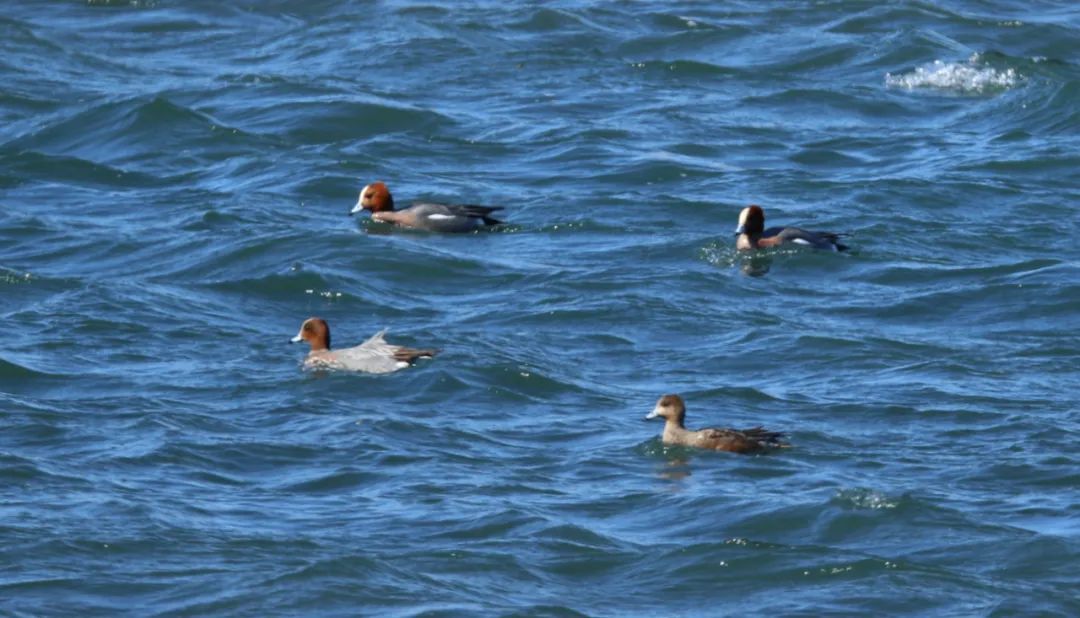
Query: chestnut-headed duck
{"points": [[373, 356], [752, 234], [425, 215], [672, 409]]}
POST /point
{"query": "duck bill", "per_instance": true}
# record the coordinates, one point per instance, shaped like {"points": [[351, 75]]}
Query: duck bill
{"points": [[740, 230], [355, 209], [654, 414], [298, 338]]}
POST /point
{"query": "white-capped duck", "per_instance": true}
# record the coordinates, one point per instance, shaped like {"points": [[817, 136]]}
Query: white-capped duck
{"points": [[751, 234]]}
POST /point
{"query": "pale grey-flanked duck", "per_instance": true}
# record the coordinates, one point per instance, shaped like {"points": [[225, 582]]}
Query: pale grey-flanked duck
{"points": [[373, 356], [429, 216], [672, 409]]}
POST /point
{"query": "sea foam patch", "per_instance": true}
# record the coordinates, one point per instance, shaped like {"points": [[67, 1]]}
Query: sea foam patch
{"points": [[962, 77]]}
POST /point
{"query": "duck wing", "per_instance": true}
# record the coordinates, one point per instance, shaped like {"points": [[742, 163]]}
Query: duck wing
{"points": [[736, 441], [476, 212], [764, 436], [447, 217], [373, 356], [410, 355], [819, 240]]}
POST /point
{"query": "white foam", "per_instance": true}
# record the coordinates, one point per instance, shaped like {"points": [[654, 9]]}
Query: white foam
{"points": [[963, 77], [867, 499]]}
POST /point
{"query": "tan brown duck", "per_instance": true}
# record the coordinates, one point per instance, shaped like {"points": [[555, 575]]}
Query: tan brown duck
{"points": [[672, 409]]}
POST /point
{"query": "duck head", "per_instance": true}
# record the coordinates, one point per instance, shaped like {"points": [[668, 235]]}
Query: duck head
{"points": [[374, 197], [670, 408], [751, 221], [316, 332]]}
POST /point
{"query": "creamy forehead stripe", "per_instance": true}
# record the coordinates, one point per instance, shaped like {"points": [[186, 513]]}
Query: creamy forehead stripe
{"points": [[364, 191]]}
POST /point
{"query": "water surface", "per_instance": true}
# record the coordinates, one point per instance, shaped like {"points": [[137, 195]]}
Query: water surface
{"points": [[174, 183]]}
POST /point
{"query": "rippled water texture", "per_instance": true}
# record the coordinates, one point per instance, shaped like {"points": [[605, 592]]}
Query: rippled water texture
{"points": [[174, 183]]}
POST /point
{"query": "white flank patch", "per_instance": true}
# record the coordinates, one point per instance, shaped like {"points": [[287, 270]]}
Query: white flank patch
{"points": [[802, 241], [439, 217]]}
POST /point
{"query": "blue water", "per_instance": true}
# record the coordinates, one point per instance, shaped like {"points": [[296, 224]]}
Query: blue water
{"points": [[174, 183]]}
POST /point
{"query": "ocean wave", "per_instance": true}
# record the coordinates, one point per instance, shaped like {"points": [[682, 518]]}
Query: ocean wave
{"points": [[333, 119], [863, 498], [29, 165], [970, 77], [14, 373], [685, 68], [14, 277], [129, 4]]}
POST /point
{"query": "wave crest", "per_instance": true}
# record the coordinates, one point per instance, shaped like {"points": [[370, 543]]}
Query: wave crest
{"points": [[963, 77]]}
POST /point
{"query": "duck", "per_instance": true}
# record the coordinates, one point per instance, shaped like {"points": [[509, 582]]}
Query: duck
{"points": [[375, 355], [751, 234], [746, 441], [429, 216]]}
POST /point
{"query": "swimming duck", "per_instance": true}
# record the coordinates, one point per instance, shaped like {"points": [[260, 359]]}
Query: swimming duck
{"points": [[752, 234], [425, 215], [672, 409], [373, 356]]}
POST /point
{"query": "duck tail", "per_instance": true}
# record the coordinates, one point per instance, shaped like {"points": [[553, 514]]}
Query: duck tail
{"points": [[834, 238], [410, 355], [483, 212]]}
